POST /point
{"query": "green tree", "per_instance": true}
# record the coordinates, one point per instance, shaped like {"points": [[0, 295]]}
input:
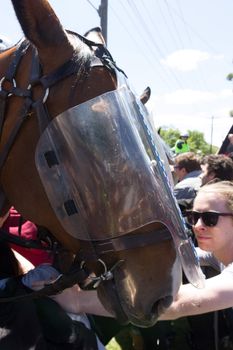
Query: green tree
{"points": [[230, 76], [170, 136], [196, 140]]}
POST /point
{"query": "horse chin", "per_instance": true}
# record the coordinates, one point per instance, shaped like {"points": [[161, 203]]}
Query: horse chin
{"points": [[130, 304], [150, 319], [124, 314], [109, 297]]}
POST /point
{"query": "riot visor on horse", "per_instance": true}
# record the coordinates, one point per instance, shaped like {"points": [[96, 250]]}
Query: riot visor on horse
{"points": [[99, 175]]}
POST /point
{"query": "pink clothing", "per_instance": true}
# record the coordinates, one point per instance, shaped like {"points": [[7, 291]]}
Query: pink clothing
{"points": [[28, 231]]}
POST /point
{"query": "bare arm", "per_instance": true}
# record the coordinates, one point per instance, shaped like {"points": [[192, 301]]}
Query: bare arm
{"points": [[217, 295], [72, 299], [24, 264], [78, 301]]}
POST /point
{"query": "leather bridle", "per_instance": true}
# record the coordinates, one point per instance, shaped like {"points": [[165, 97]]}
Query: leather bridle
{"points": [[93, 250]]}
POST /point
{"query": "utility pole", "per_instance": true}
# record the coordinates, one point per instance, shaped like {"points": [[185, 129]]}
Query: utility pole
{"points": [[211, 133], [103, 13]]}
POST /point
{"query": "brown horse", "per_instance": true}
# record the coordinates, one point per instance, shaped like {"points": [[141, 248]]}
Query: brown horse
{"points": [[142, 272]]}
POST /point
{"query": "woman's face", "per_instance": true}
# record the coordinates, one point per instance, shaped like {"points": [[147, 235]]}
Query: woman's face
{"points": [[217, 239]]}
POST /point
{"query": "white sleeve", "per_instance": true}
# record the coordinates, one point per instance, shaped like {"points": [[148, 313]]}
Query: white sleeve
{"points": [[229, 270], [207, 259]]}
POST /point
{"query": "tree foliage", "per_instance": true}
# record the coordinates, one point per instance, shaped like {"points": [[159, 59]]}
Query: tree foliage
{"points": [[230, 76], [196, 140]]}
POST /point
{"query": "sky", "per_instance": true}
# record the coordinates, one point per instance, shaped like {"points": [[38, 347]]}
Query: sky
{"points": [[181, 49]]}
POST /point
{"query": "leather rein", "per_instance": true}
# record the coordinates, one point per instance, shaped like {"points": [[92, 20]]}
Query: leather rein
{"points": [[90, 251]]}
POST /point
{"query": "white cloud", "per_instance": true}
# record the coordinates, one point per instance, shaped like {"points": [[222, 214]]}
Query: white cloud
{"points": [[218, 57], [190, 96], [185, 60], [185, 96]]}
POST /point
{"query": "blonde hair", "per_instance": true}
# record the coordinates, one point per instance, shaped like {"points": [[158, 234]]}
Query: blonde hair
{"points": [[223, 188]]}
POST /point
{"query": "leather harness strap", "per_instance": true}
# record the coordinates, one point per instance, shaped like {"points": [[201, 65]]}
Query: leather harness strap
{"points": [[24, 242], [74, 276], [67, 69], [20, 51], [79, 273], [92, 250]]}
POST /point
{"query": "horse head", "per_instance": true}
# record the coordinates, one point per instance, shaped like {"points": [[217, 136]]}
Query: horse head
{"points": [[77, 157]]}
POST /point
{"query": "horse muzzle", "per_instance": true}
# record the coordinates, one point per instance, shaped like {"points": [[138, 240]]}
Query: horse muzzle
{"points": [[141, 304]]}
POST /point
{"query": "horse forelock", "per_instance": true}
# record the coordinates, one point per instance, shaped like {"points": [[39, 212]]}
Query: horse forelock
{"points": [[81, 56], [81, 50]]}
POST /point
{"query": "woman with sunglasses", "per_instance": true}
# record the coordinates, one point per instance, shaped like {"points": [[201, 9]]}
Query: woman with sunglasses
{"points": [[212, 223]]}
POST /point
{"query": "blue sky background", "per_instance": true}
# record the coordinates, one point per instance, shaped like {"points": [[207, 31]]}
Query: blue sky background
{"points": [[182, 49]]}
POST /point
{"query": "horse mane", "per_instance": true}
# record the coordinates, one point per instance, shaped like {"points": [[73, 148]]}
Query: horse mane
{"points": [[82, 52]]}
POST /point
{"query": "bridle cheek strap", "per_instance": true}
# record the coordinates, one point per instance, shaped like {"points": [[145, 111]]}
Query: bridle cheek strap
{"points": [[67, 69]]}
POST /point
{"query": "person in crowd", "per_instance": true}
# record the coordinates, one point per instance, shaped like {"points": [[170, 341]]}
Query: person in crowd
{"points": [[212, 222], [46, 272], [51, 327], [181, 145], [16, 225], [216, 166], [229, 150], [187, 171]]}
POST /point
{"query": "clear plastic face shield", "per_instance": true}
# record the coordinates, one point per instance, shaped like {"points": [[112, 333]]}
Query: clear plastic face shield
{"points": [[106, 174]]}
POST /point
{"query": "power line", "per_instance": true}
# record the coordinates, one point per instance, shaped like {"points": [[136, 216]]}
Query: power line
{"points": [[202, 79], [136, 42], [194, 31], [182, 17], [198, 82], [153, 24], [166, 24], [174, 24], [149, 39], [90, 3]]}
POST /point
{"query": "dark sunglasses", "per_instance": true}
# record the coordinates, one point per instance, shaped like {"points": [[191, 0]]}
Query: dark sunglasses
{"points": [[209, 218]]}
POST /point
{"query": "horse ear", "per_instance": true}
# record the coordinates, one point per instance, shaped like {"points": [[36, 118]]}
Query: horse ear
{"points": [[96, 35], [42, 27], [145, 95]]}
